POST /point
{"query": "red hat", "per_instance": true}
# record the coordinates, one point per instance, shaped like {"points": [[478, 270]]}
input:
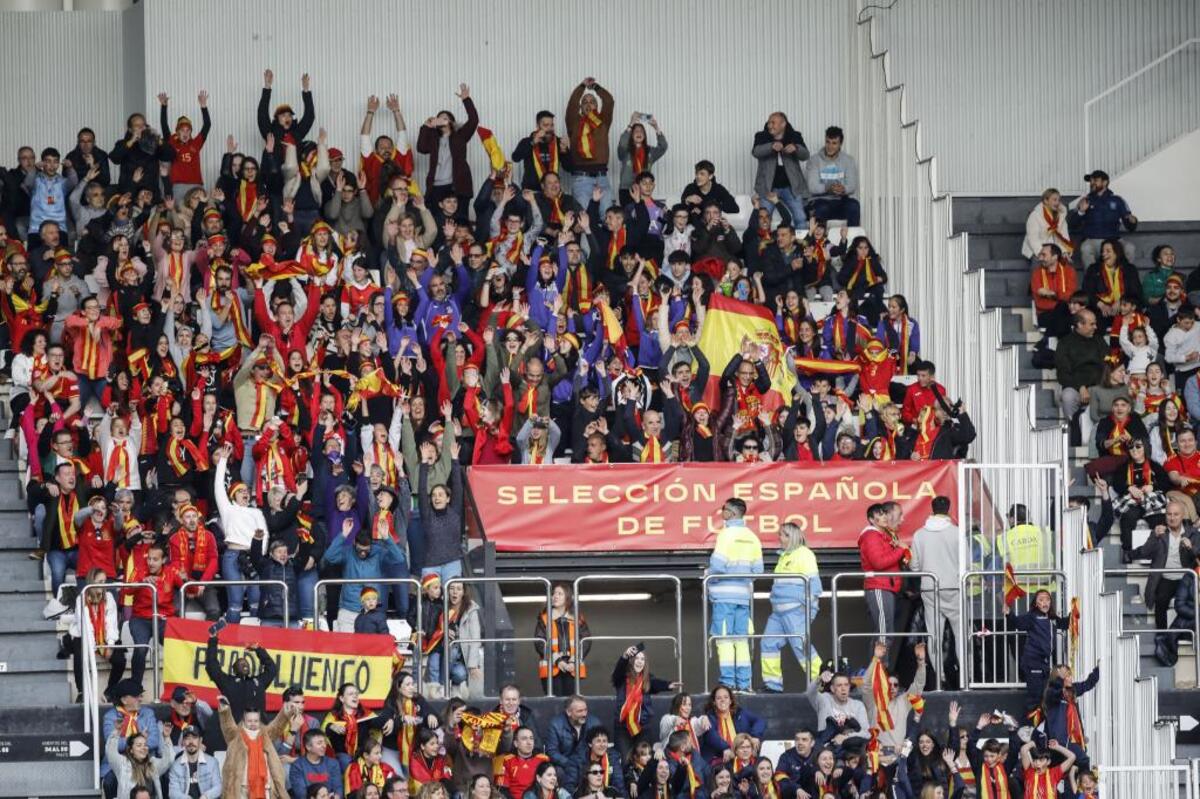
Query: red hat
{"points": [[268, 239], [141, 306], [211, 212], [217, 238], [61, 255], [431, 579], [235, 487], [183, 122], [367, 591], [398, 296], [186, 508], [335, 154], [682, 324]]}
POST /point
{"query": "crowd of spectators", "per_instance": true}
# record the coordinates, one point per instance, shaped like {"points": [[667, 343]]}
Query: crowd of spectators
{"points": [[1125, 348], [282, 372]]}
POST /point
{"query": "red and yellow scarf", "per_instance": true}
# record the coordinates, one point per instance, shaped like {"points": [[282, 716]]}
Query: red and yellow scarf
{"points": [[588, 124], [631, 709], [865, 270], [247, 197], [880, 695], [1114, 284], [616, 243], [257, 775], [117, 471], [68, 506], [548, 149], [994, 782], [652, 452]]}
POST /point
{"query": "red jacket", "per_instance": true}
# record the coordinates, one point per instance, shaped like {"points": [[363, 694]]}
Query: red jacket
{"points": [[97, 548], [917, 397], [297, 337], [168, 582], [877, 553]]}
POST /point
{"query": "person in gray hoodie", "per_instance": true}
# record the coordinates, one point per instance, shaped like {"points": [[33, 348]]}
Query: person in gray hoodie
{"points": [[832, 177], [935, 549]]}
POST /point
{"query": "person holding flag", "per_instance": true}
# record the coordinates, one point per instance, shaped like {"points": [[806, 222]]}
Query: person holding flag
{"points": [[887, 707], [1039, 624], [633, 682]]}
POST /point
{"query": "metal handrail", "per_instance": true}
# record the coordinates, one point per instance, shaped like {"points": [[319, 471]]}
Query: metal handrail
{"points": [[677, 638], [91, 679], [1087, 106], [711, 639], [320, 585], [964, 600], [183, 593], [937, 610], [1147, 571], [517, 640]]}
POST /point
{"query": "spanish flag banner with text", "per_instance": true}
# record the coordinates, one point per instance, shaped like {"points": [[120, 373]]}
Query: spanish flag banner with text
{"points": [[726, 323], [318, 662]]}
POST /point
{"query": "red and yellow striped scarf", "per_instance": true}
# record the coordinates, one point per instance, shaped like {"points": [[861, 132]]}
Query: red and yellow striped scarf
{"points": [[631, 708], [994, 782], [174, 271], [247, 196], [386, 460], [1051, 220], [865, 270], [68, 506], [726, 728], [652, 451], [407, 732], [178, 452], [549, 150], [117, 471], [616, 243], [589, 123], [1114, 284], [685, 762], [91, 352]]}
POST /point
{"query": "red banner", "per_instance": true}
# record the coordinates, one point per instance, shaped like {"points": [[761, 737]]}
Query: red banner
{"points": [[631, 506], [317, 662]]}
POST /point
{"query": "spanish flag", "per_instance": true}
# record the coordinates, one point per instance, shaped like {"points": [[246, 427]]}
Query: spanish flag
{"points": [[613, 333], [492, 148], [1012, 589], [726, 323]]}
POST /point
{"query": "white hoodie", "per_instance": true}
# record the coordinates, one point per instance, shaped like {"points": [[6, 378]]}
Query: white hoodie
{"points": [[935, 549]]}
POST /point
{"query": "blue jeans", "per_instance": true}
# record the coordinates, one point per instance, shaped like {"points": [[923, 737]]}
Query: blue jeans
{"points": [[733, 654], [306, 581], [399, 592], [90, 388], [581, 190], [794, 204], [458, 667], [142, 631], [59, 561], [231, 571], [431, 667], [446, 571], [837, 208]]}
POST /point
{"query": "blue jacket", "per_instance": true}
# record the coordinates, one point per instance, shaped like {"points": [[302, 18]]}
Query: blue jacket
{"points": [[1056, 713], [1039, 640], [1104, 217], [713, 746], [568, 752], [146, 722], [302, 774], [48, 197], [341, 553], [208, 776]]}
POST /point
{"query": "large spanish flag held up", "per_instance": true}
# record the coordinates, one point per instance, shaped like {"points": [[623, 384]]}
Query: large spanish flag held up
{"points": [[725, 324]]}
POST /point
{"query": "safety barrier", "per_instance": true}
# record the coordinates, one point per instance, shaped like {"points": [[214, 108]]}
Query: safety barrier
{"points": [[318, 613], [983, 614], [91, 673], [676, 639], [1194, 633], [711, 639], [194, 583], [542, 581], [937, 612], [1159, 781]]}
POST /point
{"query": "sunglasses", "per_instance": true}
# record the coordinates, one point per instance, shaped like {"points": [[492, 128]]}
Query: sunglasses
{"points": [[595, 771]]}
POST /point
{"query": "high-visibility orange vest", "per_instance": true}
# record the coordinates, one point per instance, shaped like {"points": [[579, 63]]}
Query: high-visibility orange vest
{"points": [[556, 648]]}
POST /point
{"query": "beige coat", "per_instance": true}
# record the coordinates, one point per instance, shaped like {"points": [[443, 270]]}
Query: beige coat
{"points": [[233, 774]]}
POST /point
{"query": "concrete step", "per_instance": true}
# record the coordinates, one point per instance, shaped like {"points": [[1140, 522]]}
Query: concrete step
{"points": [[66, 779]]}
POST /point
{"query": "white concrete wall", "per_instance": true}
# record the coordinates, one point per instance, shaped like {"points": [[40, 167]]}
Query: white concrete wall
{"points": [[1166, 186]]}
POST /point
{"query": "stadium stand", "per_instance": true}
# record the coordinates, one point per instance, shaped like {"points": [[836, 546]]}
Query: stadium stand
{"points": [[487, 455]]}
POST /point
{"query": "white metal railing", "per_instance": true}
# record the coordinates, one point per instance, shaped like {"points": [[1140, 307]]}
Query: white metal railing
{"points": [[1164, 781], [912, 225], [1161, 100]]}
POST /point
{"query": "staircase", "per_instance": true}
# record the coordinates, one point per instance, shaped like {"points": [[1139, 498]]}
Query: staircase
{"points": [[32, 679], [995, 228]]}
